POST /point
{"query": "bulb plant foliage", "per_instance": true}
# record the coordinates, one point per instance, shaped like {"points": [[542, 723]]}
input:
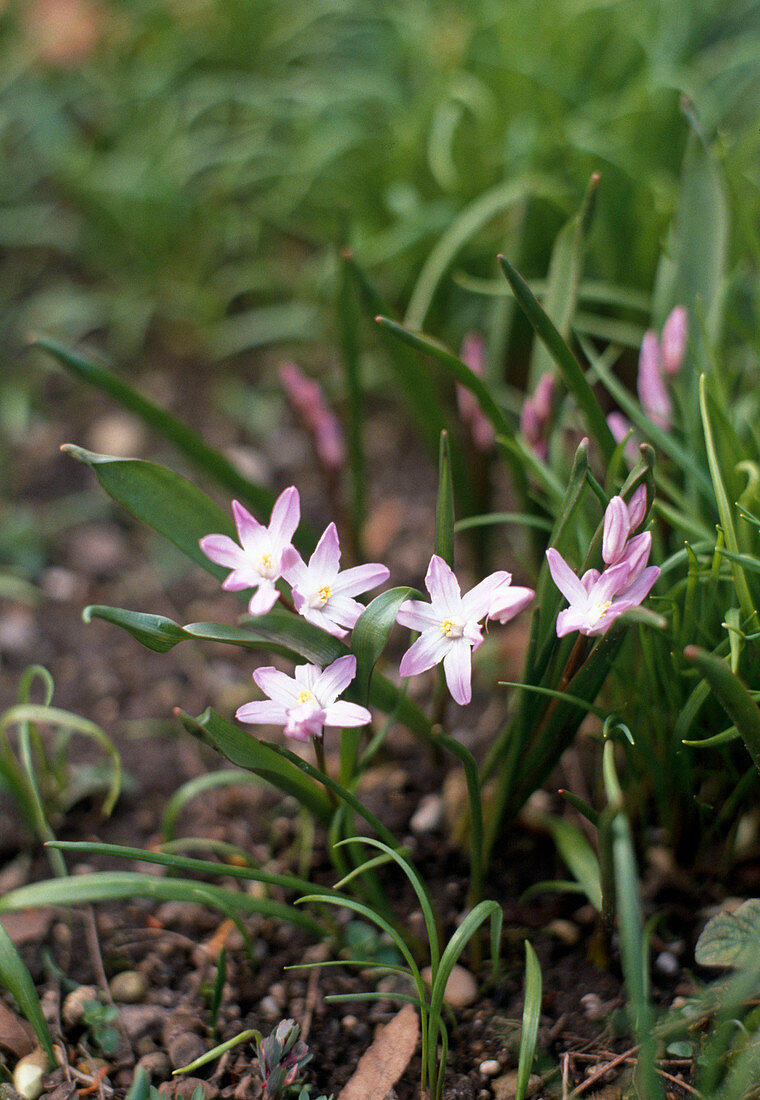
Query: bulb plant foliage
{"points": [[638, 574]]}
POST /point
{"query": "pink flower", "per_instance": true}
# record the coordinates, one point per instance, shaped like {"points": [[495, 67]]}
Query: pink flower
{"points": [[654, 398], [536, 414], [308, 400], [449, 625], [321, 593], [481, 428], [673, 341], [257, 562], [307, 703]]}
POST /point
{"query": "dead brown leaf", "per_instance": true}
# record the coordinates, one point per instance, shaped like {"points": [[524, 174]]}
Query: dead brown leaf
{"points": [[16, 1035], [383, 1063]]}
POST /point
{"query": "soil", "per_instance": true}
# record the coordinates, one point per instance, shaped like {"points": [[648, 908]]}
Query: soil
{"points": [[171, 952]]}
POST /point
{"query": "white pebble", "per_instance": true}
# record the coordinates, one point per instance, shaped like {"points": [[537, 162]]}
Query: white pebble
{"points": [[489, 1068]]}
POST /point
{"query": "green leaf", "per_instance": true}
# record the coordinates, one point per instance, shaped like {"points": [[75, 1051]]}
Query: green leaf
{"points": [[444, 508], [257, 756], [579, 857], [203, 456], [724, 509], [125, 885], [163, 500], [732, 696], [370, 635], [15, 977], [571, 370], [530, 1019], [565, 269], [731, 939], [154, 631]]}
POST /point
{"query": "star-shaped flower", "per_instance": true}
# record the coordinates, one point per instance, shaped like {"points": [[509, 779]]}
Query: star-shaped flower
{"points": [[324, 595], [449, 625], [306, 703], [597, 599], [257, 562]]}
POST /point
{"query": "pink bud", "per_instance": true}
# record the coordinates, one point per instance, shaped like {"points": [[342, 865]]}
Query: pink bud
{"points": [[544, 397], [673, 342], [652, 393], [309, 403], [616, 528], [637, 507], [620, 428], [481, 429]]}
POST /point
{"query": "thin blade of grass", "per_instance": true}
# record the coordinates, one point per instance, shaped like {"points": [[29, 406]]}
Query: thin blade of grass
{"points": [[530, 1018]]}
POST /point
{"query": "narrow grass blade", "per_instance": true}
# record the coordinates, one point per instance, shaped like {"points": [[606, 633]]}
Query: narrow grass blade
{"points": [[125, 885], [571, 370], [190, 864], [732, 696], [64, 719], [15, 977], [475, 797], [444, 508], [530, 1018], [724, 510], [208, 781], [579, 856], [204, 457], [563, 280]]}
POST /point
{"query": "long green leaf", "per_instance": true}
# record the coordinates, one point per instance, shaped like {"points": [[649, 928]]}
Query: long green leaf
{"points": [[125, 885], [732, 696], [572, 372], [168, 503], [204, 457], [444, 508], [724, 509], [370, 635], [530, 1018], [15, 977]]}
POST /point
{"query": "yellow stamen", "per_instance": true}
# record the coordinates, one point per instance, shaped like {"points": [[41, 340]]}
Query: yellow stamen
{"points": [[447, 627], [603, 608], [266, 561], [324, 593], [304, 696]]}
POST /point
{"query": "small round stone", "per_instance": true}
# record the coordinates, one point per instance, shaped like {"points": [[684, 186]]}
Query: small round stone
{"points": [[72, 1010], [489, 1068], [129, 987], [461, 988]]}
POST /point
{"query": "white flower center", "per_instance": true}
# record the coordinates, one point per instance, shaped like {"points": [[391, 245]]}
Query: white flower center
{"points": [[451, 629], [601, 609], [266, 567], [321, 596]]}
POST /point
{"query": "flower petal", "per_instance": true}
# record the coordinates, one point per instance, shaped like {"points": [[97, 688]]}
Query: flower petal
{"points": [[637, 554], [343, 610], [263, 599], [223, 550], [307, 675], [457, 664], [417, 615], [642, 586], [443, 587], [325, 561], [637, 508], [335, 679], [262, 712], [509, 602], [360, 579], [611, 583], [249, 529], [346, 714], [286, 515], [478, 600], [428, 650], [564, 578], [293, 568], [279, 687], [318, 617]]}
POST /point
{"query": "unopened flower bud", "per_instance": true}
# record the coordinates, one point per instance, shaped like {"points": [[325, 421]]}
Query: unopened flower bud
{"points": [[651, 389], [673, 341], [616, 528]]}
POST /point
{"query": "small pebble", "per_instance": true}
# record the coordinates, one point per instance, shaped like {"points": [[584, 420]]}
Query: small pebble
{"points": [[348, 1023], [428, 816], [156, 1065], [72, 1010], [489, 1068], [185, 1048], [593, 1009], [667, 963], [461, 988], [28, 1074], [565, 931], [129, 987], [269, 1007]]}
